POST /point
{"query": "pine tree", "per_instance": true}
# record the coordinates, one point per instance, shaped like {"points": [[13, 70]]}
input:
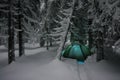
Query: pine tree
{"points": [[11, 54], [79, 28], [31, 20], [68, 8], [3, 22], [103, 16], [21, 43]]}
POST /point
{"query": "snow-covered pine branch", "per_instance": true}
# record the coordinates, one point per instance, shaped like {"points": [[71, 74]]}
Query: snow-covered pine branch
{"points": [[16, 29], [31, 19], [3, 5], [3, 10]]}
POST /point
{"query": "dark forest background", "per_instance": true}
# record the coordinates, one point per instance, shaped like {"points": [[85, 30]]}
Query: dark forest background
{"points": [[49, 22]]}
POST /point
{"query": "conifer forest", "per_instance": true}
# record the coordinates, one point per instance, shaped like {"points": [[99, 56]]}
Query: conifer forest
{"points": [[59, 39]]}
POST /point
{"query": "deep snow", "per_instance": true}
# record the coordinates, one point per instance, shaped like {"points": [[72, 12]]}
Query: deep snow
{"points": [[30, 49], [42, 65]]}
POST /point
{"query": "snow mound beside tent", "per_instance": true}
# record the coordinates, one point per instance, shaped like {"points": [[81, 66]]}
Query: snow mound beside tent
{"points": [[56, 70]]}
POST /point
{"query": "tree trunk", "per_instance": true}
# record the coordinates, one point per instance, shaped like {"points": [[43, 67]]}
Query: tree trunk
{"points": [[42, 42], [64, 37], [90, 39], [51, 42], [47, 43], [11, 54], [100, 47], [21, 43]]}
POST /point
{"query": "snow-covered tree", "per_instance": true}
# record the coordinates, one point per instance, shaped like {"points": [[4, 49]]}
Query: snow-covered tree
{"points": [[104, 17], [31, 19], [3, 21], [79, 27]]}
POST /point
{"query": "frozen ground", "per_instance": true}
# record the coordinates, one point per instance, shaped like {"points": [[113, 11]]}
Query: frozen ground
{"points": [[30, 49], [41, 65], [103, 70]]}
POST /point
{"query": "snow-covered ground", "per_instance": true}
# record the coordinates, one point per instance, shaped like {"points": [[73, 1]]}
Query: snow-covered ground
{"points": [[103, 70], [30, 49], [42, 65]]}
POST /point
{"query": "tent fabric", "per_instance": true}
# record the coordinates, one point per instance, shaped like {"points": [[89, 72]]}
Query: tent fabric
{"points": [[76, 51], [66, 51]]}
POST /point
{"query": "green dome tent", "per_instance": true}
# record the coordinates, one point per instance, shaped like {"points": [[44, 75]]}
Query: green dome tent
{"points": [[76, 51]]}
